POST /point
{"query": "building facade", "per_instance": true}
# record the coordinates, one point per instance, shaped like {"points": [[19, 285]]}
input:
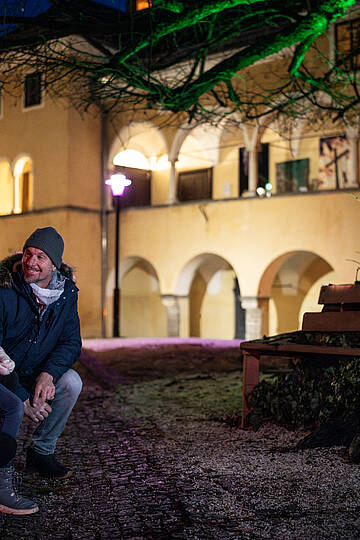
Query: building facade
{"points": [[226, 231]]}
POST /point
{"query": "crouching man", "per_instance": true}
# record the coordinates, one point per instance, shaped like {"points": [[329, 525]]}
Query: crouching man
{"points": [[40, 332]]}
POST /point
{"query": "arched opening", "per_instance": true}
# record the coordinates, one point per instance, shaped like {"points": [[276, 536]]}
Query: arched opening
{"points": [[198, 152], [211, 285], [23, 185], [142, 313], [6, 188], [291, 285], [131, 158], [139, 151]]}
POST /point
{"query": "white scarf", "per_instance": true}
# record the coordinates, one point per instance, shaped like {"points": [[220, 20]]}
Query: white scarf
{"points": [[54, 290]]}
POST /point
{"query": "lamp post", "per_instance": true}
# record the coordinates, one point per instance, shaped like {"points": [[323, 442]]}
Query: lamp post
{"points": [[118, 183]]}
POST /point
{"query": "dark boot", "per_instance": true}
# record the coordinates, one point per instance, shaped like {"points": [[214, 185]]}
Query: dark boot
{"points": [[10, 501], [7, 449], [45, 465]]}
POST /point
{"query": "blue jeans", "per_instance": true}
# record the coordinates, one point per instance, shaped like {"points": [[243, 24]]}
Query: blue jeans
{"points": [[12, 409], [67, 390]]}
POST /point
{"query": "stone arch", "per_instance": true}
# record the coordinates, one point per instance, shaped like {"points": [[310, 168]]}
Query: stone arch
{"points": [[290, 281], [210, 284], [208, 263], [143, 137], [142, 313], [23, 183], [141, 152], [206, 137]]}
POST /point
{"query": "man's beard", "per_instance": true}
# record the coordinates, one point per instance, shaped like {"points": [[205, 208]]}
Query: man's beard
{"points": [[35, 280]]}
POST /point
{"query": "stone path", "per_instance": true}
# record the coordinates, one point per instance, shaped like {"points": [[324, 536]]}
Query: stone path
{"points": [[151, 465], [117, 490]]}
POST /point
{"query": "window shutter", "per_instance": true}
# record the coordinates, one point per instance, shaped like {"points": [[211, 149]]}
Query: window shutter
{"points": [[195, 185]]}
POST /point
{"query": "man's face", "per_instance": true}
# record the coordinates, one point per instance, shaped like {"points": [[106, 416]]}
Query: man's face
{"points": [[37, 266]]}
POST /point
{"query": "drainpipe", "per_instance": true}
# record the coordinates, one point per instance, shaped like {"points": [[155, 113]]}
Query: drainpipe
{"points": [[103, 223]]}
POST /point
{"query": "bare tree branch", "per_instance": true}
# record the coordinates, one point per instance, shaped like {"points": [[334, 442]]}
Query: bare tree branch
{"points": [[200, 57]]}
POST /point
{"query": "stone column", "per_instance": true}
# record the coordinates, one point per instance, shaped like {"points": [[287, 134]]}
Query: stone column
{"points": [[253, 171], [263, 303], [171, 303], [172, 183], [253, 319], [184, 316], [353, 137]]}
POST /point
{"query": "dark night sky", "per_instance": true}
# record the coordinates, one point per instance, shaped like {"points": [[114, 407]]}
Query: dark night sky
{"points": [[31, 8]]}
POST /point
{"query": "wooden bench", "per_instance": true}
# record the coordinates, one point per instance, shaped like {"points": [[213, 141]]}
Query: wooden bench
{"points": [[341, 313], [253, 350]]}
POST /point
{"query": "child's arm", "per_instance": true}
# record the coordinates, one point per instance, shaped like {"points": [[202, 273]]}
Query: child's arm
{"points": [[6, 364]]}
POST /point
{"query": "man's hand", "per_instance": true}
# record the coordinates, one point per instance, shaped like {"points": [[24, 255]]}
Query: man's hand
{"points": [[44, 389], [38, 413]]}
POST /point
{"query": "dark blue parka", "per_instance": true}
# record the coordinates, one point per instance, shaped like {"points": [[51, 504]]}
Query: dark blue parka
{"points": [[36, 343]]}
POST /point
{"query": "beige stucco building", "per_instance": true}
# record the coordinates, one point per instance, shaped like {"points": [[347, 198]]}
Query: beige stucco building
{"points": [[203, 252]]}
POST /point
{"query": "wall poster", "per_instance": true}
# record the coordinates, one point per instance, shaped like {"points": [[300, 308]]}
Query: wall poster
{"points": [[334, 163]]}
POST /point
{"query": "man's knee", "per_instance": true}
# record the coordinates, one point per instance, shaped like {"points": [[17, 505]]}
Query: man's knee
{"points": [[70, 383]]}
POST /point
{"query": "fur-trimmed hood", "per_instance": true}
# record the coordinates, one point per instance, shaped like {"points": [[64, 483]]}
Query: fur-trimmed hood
{"points": [[13, 264]]}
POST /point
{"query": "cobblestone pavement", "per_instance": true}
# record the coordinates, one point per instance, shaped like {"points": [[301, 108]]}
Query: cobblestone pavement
{"points": [[150, 465]]}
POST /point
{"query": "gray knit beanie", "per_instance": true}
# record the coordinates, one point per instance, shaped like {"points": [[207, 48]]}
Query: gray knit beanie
{"points": [[49, 241]]}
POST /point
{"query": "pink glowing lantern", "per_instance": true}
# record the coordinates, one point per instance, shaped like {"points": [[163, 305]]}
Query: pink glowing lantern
{"points": [[118, 183]]}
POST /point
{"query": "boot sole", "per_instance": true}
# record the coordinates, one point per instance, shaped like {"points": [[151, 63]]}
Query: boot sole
{"points": [[18, 511], [36, 474]]}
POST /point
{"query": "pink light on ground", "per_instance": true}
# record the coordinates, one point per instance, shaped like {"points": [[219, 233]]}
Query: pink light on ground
{"points": [[118, 183], [104, 344]]}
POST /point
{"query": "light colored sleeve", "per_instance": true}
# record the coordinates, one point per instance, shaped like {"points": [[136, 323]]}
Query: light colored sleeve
{"points": [[6, 364]]}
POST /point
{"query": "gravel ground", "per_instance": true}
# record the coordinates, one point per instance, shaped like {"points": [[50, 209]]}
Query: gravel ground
{"points": [[154, 460]]}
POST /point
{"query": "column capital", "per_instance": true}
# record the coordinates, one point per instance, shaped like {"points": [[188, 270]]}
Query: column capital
{"points": [[253, 317], [249, 302], [352, 132], [169, 300]]}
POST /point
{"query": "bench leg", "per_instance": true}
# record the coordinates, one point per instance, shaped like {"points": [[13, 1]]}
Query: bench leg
{"points": [[250, 379]]}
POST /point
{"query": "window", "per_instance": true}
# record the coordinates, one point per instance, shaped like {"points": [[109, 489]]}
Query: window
{"points": [[292, 176], [263, 167], [25, 192], [16, 187], [347, 39], [142, 4], [195, 185], [23, 185], [243, 170], [139, 192], [6, 189], [32, 90]]}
